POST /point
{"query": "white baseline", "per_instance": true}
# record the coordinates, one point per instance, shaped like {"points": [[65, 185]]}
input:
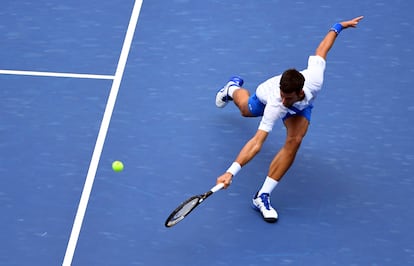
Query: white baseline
{"points": [[54, 74]]}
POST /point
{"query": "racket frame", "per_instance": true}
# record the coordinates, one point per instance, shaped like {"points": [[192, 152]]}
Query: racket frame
{"points": [[171, 222]]}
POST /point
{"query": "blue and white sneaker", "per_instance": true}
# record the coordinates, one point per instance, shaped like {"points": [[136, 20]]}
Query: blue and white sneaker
{"points": [[222, 96], [262, 203]]}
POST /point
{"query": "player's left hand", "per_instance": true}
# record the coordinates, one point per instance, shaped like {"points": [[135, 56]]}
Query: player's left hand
{"points": [[351, 23]]}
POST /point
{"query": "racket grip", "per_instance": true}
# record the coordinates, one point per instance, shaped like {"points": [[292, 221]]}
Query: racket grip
{"points": [[217, 187]]}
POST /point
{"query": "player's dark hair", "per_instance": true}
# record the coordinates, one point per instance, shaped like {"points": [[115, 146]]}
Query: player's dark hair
{"points": [[291, 81]]}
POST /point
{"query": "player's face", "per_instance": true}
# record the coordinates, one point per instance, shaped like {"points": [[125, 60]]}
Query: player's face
{"points": [[288, 99]]}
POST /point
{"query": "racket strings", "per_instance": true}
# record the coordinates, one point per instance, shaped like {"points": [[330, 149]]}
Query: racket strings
{"points": [[186, 208], [182, 211]]}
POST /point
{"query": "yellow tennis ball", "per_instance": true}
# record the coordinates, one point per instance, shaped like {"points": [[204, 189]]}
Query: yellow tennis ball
{"points": [[117, 166]]}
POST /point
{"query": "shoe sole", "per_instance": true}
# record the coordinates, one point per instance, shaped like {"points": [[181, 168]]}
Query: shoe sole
{"points": [[269, 220]]}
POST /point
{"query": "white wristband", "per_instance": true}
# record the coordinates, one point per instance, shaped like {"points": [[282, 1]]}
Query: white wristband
{"points": [[234, 168]]}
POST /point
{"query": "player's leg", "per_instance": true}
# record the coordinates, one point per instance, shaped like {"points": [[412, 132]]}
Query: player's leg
{"points": [[296, 127], [241, 98], [249, 106]]}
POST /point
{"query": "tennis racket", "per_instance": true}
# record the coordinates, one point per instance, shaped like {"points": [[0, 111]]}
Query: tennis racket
{"points": [[189, 205]]}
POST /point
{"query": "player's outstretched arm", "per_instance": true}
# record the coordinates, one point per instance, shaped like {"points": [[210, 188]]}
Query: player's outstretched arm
{"points": [[330, 38], [250, 149]]}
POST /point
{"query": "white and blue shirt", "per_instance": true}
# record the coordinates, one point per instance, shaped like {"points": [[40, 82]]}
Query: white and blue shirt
{"points": [[269, 93]]}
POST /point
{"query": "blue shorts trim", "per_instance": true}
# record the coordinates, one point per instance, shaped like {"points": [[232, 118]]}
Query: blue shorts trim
{"points": [[256, 108], [307, 112]]}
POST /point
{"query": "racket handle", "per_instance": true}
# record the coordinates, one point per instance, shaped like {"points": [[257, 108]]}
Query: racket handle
{"points": [[217, 187]]}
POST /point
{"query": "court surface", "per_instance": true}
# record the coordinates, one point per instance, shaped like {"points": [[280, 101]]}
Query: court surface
{"points": [[347, 200]]}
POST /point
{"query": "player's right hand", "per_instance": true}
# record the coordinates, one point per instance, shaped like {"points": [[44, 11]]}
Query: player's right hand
{"points": [[226, 179]]}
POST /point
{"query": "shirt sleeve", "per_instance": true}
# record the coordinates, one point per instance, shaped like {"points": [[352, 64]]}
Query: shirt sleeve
{"points": [[314, 73], [271, 114]]}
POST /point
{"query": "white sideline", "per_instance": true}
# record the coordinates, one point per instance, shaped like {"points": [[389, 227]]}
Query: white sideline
{"points": [[102, 135]]}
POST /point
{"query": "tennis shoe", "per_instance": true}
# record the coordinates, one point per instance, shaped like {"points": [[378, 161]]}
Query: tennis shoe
{"points": [[222, 96], [262, 203]]}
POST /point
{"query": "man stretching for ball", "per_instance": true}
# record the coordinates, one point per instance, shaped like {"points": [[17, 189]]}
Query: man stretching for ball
{"points": [[288, 97]]}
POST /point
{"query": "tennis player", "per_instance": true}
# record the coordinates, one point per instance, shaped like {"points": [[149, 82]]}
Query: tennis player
{"points": [[288, 97]]}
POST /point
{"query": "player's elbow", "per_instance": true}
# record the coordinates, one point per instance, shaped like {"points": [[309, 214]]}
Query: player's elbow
{"points": [[322, 52]]}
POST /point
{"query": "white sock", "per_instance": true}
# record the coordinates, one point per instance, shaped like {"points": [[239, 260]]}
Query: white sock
{"points": [[268, 186], [232, 89]]}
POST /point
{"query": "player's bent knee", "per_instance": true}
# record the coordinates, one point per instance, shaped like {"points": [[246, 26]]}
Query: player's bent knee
{"points": [[244, 109], [293, 143], [245, 113]]}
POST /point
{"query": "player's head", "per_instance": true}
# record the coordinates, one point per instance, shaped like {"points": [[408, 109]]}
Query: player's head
{"points": [[291, 87], [292, 81]]}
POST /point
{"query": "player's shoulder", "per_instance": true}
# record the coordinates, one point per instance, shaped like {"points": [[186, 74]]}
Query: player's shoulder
{"points": [[316, 60], [271, 83]]}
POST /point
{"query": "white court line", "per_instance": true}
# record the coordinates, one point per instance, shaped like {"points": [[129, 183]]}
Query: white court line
{"points": [[54, 74], [102, 135]]}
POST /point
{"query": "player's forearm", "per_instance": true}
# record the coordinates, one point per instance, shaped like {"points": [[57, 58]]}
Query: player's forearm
{"points": [[252, 147], [248, 152], [330, 37], [326, 44]]}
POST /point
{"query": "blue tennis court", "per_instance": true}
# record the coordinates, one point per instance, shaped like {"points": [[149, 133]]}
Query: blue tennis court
{"points": [[89, 82]]}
